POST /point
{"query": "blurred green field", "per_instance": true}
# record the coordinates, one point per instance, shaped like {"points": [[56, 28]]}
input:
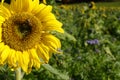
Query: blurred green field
{"points": [[95, 55], [94, 52], [108, 4], [98, 4]]}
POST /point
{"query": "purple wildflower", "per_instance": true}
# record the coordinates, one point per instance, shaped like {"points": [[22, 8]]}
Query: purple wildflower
{"points": [[93, 42]]}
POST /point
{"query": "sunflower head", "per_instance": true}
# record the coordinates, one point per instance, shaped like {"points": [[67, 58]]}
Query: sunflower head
{"points": [[25, 34], [92, 5]]}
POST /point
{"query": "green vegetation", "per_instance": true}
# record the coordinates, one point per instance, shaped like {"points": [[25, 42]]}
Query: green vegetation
{"points": [[98, 4], [108, 4]]}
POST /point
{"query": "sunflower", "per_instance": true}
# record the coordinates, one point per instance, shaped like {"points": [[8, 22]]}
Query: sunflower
{"points": [[92, 5], [25, 34]]}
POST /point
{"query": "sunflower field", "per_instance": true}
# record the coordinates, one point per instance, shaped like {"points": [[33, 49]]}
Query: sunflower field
{"points": [[90, 45]]}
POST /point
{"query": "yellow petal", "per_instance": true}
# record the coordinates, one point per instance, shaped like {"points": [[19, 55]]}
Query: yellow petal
{"points": [[53, 25], [20, 61], [44, 1], [48, 17], [4, 54], [4, 12], [26, 5], [52, 42], [45, 10], [25, 61], [20, 5], [2, 19], [0, 34], [35, 6], [12, 60], [51, 38], [2, 1], [35, 58], [43, 52], [19, 58], [26, 57], [2, 46]]}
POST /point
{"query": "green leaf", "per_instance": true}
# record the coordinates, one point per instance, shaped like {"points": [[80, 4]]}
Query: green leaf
{"points": [[64, 36], [108, 51], [54, 71], [2, 69], [70, 37]]}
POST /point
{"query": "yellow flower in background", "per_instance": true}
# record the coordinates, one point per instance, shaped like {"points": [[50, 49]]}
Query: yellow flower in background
{"points": [[92, 5], [104, 15], [82, 11], [25, 39]]}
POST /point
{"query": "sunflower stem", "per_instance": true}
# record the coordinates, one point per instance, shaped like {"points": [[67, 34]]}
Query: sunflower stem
{"points": [[18, 74]]}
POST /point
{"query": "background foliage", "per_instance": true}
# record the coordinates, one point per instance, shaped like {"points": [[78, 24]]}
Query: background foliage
{"points": [[94, 53]]}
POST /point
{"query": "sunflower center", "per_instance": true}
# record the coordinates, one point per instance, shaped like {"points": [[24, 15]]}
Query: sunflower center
{"points": [[24, 29], [21, 31]]}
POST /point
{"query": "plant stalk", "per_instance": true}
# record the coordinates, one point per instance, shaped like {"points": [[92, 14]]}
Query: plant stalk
{"points": [[18, 74]]}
